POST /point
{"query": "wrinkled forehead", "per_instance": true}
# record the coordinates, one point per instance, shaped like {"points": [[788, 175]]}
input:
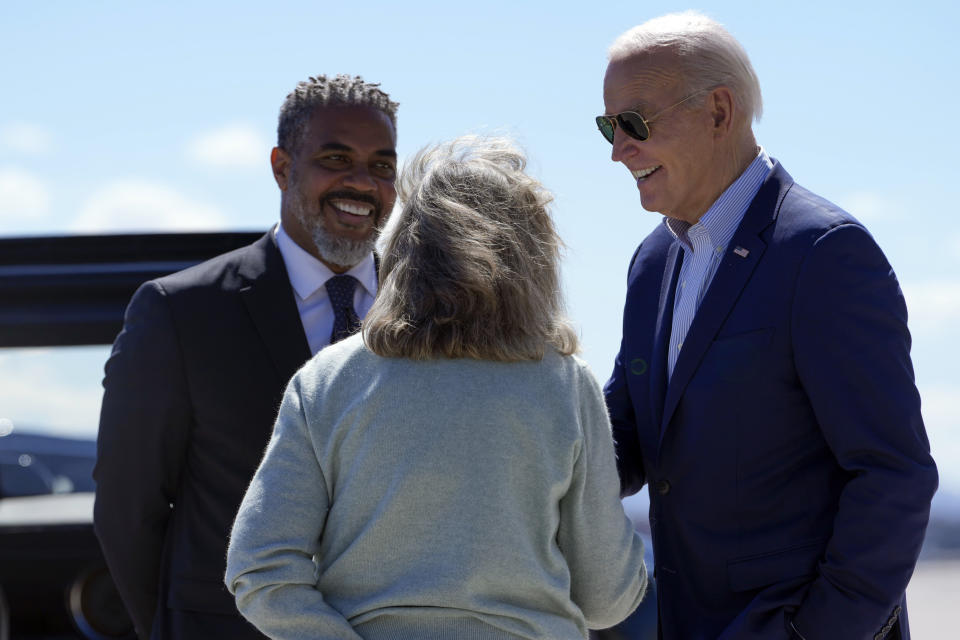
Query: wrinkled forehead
{"points": [[642, 81]]}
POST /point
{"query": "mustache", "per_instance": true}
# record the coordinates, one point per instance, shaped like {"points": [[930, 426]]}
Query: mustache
{"points": [[349, 194]]}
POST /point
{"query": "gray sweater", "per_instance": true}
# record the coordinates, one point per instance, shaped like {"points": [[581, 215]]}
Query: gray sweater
{"points": [[448, 498]]}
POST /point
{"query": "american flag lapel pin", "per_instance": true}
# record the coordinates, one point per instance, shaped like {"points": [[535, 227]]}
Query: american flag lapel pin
{"points": [[740, 251]]}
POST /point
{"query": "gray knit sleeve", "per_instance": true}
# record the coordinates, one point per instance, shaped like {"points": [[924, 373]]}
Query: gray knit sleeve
{"points": [[270, 567], [604, 553]]}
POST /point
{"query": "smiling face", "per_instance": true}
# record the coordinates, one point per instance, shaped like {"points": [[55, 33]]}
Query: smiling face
{"points": [[338, 187], [685, 164]]}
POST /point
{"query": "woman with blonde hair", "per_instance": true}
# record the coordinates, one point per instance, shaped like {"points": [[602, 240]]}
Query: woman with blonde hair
{"points": [[450, 472]]}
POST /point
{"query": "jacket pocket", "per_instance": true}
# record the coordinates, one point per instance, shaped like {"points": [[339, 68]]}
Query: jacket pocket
{"points": [[797, 561]]}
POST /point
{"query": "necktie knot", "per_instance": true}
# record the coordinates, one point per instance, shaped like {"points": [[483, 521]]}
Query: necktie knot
{"points": [[345, 321]]}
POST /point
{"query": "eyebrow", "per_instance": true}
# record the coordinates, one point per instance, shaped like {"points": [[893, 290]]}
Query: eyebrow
{"points": [[641, 108], [339, 146]]}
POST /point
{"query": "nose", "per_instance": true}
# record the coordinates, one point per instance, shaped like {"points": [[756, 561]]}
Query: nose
{"points": [[623, 146], [359, 178]]}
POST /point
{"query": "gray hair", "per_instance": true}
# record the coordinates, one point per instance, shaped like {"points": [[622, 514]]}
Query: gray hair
{"points": [[470, 267], [321, 91], [706, 52]]}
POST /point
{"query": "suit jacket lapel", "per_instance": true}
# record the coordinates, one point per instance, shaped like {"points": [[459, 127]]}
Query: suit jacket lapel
{"points": [[732, 276], [269, 299]]}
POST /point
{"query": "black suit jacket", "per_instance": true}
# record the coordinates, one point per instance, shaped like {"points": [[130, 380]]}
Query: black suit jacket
{"points": [[192, 389]]}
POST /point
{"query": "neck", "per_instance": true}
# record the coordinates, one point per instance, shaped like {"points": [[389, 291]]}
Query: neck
{"points": [[735, 161], [743, 154]]}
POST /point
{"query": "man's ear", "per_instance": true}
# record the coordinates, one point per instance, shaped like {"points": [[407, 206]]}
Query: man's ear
{"points": [[280, 161], [722, 106]]}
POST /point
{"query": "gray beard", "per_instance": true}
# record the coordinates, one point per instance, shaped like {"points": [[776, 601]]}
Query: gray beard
{"points": [[343, 252]]}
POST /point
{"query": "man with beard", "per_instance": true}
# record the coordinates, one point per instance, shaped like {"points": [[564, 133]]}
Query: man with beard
{"points": [[197, 373]]}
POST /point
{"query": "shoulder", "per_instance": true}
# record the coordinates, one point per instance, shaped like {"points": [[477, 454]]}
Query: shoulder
{"points": [[804, 212], [225, 271], [825, 240], [790, 216], [570, 369], [821, 240], [834, 253], [347, 360]]}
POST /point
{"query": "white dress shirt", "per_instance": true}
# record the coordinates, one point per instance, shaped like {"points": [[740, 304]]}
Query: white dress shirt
{"points": [[308, 277], [704, 245]]}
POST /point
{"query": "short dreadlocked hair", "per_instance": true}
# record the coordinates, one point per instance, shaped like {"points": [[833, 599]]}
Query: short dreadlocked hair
{"points": [[321, 91]]}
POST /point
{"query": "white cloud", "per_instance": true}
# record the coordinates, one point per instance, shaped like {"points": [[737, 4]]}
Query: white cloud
{"points": [[26, 138], [869, 207], [933, 305], [22, 194], [71, 375], [236, 146], [134, 205]]}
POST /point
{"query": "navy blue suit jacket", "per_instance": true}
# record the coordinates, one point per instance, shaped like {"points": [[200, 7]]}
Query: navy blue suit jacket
{"points": [[788, 466]]}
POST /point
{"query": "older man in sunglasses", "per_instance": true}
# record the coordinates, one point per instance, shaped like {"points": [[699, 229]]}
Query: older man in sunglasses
{"points": [[763, 390]]}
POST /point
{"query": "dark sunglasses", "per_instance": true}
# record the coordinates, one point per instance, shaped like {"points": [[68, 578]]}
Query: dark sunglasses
{"points": [[632, 123]]}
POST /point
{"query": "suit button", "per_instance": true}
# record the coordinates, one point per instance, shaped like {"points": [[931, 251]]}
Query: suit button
{"points": [[663, 487]]}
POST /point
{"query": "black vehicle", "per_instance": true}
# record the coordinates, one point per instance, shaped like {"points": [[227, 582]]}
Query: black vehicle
{"points": [[62, 301]]}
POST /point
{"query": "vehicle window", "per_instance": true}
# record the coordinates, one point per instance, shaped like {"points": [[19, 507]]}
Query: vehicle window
{"points": [[49, 409]]}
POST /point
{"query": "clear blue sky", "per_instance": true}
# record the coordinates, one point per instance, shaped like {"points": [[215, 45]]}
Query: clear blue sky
{"points": [[120, 116]]}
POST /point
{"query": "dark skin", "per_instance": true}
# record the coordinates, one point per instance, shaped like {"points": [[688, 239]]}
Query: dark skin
{"points": [[343, 175]]}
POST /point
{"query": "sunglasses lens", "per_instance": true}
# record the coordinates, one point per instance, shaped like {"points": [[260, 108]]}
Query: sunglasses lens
{"points": [[633, 125], [606, 128]]}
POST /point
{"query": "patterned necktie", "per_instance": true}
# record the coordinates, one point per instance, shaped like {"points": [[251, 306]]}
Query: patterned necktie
{"points": [[345, 320]]}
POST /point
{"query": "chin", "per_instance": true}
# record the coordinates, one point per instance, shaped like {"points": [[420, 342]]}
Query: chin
{"points": [[341, 251], [649, 204]]}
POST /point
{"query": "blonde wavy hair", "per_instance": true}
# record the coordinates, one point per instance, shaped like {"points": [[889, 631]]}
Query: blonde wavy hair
{"points": [[470, 268]]}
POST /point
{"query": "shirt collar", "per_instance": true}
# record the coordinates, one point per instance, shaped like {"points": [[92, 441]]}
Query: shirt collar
{"points": [[723, 217], [307, 274]]}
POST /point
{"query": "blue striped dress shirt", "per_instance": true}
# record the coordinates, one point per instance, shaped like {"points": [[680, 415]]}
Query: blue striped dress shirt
{"points": [[704, 244]]}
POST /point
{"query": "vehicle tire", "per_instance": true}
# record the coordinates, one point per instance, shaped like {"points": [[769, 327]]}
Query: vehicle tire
{"points": [[96, 609]]}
